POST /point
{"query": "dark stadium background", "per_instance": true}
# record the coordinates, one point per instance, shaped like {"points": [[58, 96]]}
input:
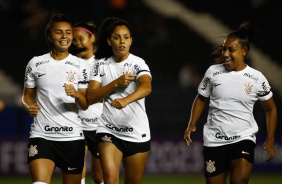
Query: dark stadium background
{"points": [[168, 46]]}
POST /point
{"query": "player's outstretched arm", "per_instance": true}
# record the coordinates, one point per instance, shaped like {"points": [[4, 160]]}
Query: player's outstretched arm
{"points": [[196, 111], [271, 121]]}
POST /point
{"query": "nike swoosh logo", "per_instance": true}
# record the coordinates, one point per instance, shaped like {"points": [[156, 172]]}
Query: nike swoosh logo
{"points": [[40, 75], [246, 153], [101, 75], [216, 85], [70, 169]]}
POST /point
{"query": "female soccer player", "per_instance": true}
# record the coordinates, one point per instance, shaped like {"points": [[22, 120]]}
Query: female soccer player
{"points": [[55, 89], [123, 80], [229, 134], [84, 36]]}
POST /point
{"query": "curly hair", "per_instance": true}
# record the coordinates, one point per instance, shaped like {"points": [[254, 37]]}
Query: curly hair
{"points": [[105, 31]]}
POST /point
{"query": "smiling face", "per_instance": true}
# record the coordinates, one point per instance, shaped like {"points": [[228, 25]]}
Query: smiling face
{"points": [[60, 36], [83, 43], [234, 54], [120, 41]]}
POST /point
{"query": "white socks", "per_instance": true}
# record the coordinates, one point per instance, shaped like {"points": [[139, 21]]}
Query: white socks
{"points": [[83, 181], [38, 182]]}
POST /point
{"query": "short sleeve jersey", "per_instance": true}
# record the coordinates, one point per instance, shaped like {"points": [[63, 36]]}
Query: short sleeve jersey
{"points": [[58, 117], [129, 123], [89, 118], [232, 98]]}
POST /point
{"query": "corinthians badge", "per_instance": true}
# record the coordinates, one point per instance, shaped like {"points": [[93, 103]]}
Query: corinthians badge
{"points": [[32, 151], [210, 166], [70, 76], [248, 89]]}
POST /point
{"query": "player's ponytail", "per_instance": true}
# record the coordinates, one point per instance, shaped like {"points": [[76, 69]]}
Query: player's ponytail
{"points": [[245, 34], [247, 29]]}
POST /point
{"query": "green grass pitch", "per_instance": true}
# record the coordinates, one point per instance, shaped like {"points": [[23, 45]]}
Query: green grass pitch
{"points": [[159, 179]]}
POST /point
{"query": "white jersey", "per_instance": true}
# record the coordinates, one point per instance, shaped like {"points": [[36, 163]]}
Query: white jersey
{"points": [[89, 118], [232, 98], [58, 117], [130, 123]]}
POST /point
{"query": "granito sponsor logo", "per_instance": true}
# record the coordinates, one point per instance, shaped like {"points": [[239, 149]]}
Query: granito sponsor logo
{"points": [[121, 129], [250, 76], [41, 63], [217, 73], [64, 129], [219, 136], [88, 120], [72, 64], [27, 72], [205, 83]]}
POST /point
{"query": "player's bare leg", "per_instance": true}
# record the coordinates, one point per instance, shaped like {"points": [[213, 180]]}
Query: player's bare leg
{"points": [[110, 157], [240, 171], [134, 167], [219, 179], [96, 170], [71, 178], [84, 166], [41, 170]]}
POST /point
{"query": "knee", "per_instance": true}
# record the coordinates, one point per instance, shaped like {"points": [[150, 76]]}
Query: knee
{"points": [[239, 180], [97, 177], [97, 180], [111, 179]]}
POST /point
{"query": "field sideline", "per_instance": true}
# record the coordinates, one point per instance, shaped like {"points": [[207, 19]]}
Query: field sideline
{"points": [[168, 179]]}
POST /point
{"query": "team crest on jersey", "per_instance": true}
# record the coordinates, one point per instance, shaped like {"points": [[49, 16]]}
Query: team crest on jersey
{"points": [[70, 76], [32, 151], [210, 166], [126, 69], [248, 89], [106, 139]]}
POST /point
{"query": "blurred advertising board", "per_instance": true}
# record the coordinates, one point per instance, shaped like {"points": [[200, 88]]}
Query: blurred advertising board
{"points": [[168, 155]]}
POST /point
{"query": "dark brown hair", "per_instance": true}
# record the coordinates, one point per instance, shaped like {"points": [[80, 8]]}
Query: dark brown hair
{"points": [[105, 31], [55, 19], [245, 35]]}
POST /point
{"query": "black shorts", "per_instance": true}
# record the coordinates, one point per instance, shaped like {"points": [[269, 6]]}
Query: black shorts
{"points": [[90, 141], [217, 159], [126, 147], [67, 155]]}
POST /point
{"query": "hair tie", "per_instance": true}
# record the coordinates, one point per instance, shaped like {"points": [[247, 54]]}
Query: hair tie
{"points": [[84, 30]]}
